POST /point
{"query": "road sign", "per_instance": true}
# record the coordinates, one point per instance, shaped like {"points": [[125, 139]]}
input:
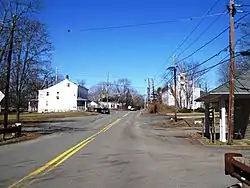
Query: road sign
{"points": [[1, 96]]}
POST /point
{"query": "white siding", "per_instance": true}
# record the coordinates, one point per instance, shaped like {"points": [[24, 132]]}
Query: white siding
{"points": [[58, 98], [197, 93]]}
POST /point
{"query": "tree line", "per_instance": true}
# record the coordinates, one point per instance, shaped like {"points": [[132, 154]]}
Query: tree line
{"points": [[120, 91], [25, 53]]}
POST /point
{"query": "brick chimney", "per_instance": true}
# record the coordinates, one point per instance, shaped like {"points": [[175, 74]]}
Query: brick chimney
{"points": [[67, 77]]}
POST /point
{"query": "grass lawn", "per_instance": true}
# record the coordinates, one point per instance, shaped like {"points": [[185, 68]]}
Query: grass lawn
{"points": [[40, 117]]}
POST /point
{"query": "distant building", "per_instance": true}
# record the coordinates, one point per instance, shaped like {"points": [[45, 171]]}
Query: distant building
{"points": [[186, 94], [112, 103], [62, 97], [94, 104]]}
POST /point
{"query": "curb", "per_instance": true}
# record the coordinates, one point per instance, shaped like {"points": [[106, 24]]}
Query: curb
{"points": [[224, 146]]}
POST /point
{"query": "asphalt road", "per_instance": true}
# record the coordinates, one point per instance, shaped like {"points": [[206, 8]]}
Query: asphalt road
{"points": [[118, 150]]}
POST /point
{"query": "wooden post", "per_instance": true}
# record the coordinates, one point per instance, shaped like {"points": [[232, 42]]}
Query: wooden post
{"points": [[207, 130], [202, 127]]}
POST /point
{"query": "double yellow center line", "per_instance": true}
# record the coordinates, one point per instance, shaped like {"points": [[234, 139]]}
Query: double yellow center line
{"points": [[29, 179]]}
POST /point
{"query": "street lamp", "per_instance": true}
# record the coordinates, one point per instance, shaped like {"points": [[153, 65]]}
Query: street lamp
{"points": [[173, 68]]}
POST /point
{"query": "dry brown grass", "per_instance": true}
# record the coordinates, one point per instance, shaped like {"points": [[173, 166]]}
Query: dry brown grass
{"points": [[26, 117], [161, 109]]}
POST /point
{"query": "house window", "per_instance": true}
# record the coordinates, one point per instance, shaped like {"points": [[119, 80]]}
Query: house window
{"points": [[57, 97], [46, 103], [68, 84], [47, 93], [57, 93]]}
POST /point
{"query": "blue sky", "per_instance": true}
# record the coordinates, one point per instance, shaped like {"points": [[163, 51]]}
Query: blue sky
{"points": [[135, 53]]}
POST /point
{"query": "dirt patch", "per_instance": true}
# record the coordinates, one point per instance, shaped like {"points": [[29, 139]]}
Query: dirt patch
{"points": [[172, 124], [24, 137]]}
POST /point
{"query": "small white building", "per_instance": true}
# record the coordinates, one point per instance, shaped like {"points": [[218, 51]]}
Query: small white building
{"points": [[182, 96], [111, 104], [94, 104], [62, 97]]}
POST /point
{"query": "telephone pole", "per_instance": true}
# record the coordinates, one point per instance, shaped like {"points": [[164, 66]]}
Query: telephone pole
{"points": [[232, 12], [148, 92], [8, 69], [154, 102], [107, 90], [174, 69], [153, 88], [175, 94]]}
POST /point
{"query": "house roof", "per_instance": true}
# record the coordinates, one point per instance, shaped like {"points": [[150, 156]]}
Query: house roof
{"points": [[242, 87], [66, 79]]}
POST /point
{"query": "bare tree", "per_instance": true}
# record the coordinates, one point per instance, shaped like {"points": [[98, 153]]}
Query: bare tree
{"points": [[120, 91], [123, 88], [98, 91], [24, 42], [190, 71], [242, 63]]}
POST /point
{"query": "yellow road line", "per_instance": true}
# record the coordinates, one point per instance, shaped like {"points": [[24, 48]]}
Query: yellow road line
{"points": [[112, 124], [62, 157], [69, 155], [58, 163]]}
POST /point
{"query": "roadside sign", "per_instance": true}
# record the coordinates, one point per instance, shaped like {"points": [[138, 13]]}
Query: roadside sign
{"points": [[1, 96]]}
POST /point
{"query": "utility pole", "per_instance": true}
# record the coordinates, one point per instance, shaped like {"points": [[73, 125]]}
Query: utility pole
{"points": [[148, 92], [175, 88], [174, 69], [232, 12], [193, 94], [8, 69], [175, 94], [153, 88], [146, 101], [107, 90]]}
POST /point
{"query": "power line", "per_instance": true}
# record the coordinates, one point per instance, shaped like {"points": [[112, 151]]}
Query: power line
{"points": [[202, 63], [243, 87], [205, 30], [215, 55], [196, 27], [213, 39], [213, 66], [158, 83], [150, 23]]}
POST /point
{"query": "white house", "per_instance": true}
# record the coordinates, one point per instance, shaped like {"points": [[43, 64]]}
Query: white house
{"points": [[111, 104], [182, 95], [62, 97], [94, 104]]}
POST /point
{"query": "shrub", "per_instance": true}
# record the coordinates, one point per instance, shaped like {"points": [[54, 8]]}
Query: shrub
{"points": [[185, 110], [201, 110]]}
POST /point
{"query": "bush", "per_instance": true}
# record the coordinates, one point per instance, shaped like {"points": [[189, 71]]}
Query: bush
{"points": [[201, 110], [160, 108], [185, 110]]}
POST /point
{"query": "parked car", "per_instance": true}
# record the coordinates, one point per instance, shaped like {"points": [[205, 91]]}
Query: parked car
{"points": [[105, 110], [133, 108]]}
